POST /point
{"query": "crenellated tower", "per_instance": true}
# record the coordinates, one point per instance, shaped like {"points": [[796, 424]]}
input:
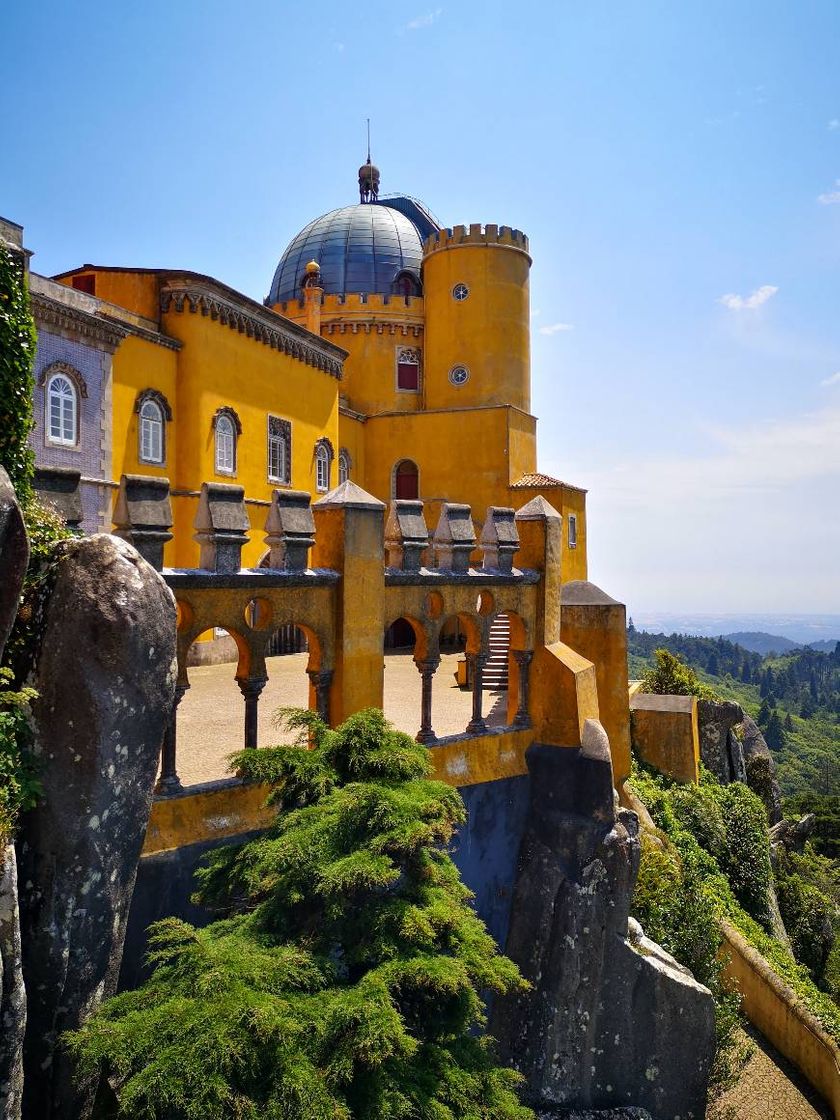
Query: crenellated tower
{"points": [[477, 344]]}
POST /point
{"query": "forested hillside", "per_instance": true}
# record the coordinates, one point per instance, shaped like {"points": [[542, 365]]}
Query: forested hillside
{"points": [[794, 698]]}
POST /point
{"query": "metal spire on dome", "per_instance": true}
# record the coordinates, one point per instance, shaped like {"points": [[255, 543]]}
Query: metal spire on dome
{"points": [[368, 176]]}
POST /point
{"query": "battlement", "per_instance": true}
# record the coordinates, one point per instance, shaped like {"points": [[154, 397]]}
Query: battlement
{"points": [[476, 234], [357, 302]]}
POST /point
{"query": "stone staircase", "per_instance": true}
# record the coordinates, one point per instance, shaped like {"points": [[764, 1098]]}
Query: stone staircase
{"points": [[496, 670]]}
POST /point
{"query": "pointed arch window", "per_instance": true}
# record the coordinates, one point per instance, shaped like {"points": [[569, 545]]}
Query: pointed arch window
{"points": [[323, 464], [344, 465], [279, 450], [62, 406], [153, 412], [227, 430]]}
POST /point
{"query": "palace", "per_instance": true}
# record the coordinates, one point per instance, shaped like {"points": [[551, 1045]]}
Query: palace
{"points": [[389, 350]]}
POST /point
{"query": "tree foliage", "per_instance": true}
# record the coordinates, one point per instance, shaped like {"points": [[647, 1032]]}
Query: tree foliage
{"points": [[344, 978], [670, 676], [17, 357]]}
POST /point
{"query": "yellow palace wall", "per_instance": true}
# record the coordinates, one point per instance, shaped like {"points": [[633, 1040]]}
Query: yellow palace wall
{"points": [[371, 329], [220, 367]]}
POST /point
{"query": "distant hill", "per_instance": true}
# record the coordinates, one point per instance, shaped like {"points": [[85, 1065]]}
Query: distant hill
{"points": [[758, 642], [827, 646]]}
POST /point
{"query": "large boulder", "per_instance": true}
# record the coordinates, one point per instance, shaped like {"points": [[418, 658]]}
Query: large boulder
{"points": [[14, 557], [105, 676], [12, 991], [611, 1020], [720, 747], [761, 769]]}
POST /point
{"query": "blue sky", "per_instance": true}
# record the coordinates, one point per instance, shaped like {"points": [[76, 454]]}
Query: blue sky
{"points": [[676, 166]]}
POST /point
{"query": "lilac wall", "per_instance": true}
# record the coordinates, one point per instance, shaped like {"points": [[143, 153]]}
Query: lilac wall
{"points": [[58, 341]]}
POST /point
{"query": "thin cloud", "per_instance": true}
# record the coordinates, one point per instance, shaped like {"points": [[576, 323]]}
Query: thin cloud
{"points": [[752, 301], [556, 328], [833, 380], [419, 22], [766, 456], [834, 124], [830, 197]]}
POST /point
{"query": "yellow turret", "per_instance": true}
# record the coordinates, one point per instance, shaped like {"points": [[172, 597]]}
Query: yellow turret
{"points": [[477, 338]]}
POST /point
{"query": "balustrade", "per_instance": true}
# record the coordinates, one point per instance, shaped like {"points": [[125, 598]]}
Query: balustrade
{"points": [[453, 582]]}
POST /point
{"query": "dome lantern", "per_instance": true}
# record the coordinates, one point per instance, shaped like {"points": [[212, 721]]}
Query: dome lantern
{"points": [[368, 182]]}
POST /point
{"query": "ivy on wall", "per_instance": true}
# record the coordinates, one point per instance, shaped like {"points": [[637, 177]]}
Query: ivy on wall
{"points": [[17, 358]]}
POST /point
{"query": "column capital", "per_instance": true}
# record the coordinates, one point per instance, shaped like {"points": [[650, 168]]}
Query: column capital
{"points": [[251, 687]]}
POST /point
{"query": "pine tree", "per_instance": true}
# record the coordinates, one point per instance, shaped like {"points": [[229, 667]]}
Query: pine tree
{"points": [[788, 722], [774, 733], [345, 980]]}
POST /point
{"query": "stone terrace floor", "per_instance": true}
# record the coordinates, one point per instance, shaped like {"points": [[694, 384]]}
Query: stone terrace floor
{"points": [[212, 713], [769, 1088]]}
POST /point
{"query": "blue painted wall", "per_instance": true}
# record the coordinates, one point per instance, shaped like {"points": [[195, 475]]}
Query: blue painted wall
{"points": [[487, 848], [485, 851]]}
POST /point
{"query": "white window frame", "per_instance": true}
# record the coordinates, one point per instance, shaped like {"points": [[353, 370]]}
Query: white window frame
{"points": [[343, 467], [322, 469], [225, 440], [151, 431], [282, 441], [63, 398], [572, 530]]}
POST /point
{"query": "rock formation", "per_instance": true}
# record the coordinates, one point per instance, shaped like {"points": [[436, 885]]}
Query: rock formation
{"points": [[761, 769], [611, 1019], [720, 747], [14, 556], [105, 679]]}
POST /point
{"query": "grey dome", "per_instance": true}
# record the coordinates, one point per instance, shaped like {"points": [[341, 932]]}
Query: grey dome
{"points": [[360, 248]]}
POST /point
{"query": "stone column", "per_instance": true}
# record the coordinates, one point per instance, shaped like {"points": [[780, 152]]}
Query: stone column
{"points": [[476, 663], [427, 667], [251, 689], [522, 657], [169, 782], [349, 539], [321, 680]]}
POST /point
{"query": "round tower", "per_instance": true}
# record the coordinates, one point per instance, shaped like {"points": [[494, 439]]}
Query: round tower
{"points": [[477, 336]]}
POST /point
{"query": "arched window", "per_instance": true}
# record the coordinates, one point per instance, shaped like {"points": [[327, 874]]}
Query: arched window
{"points": [[407, 283], [151, 432], [406, 480], [343, 466], [153, 411], [225, 446], [322, 467], [227, 427], [279, 450], [62, 401]]}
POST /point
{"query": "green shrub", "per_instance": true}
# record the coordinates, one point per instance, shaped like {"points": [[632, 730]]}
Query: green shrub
{"points": [[18, 775], [346, 982], [658, 794], [670, 676], [676, 902], [745, 860]]}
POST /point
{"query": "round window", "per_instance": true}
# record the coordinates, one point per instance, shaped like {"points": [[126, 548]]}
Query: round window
{"points": [[458, 375], [460, 292]]}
